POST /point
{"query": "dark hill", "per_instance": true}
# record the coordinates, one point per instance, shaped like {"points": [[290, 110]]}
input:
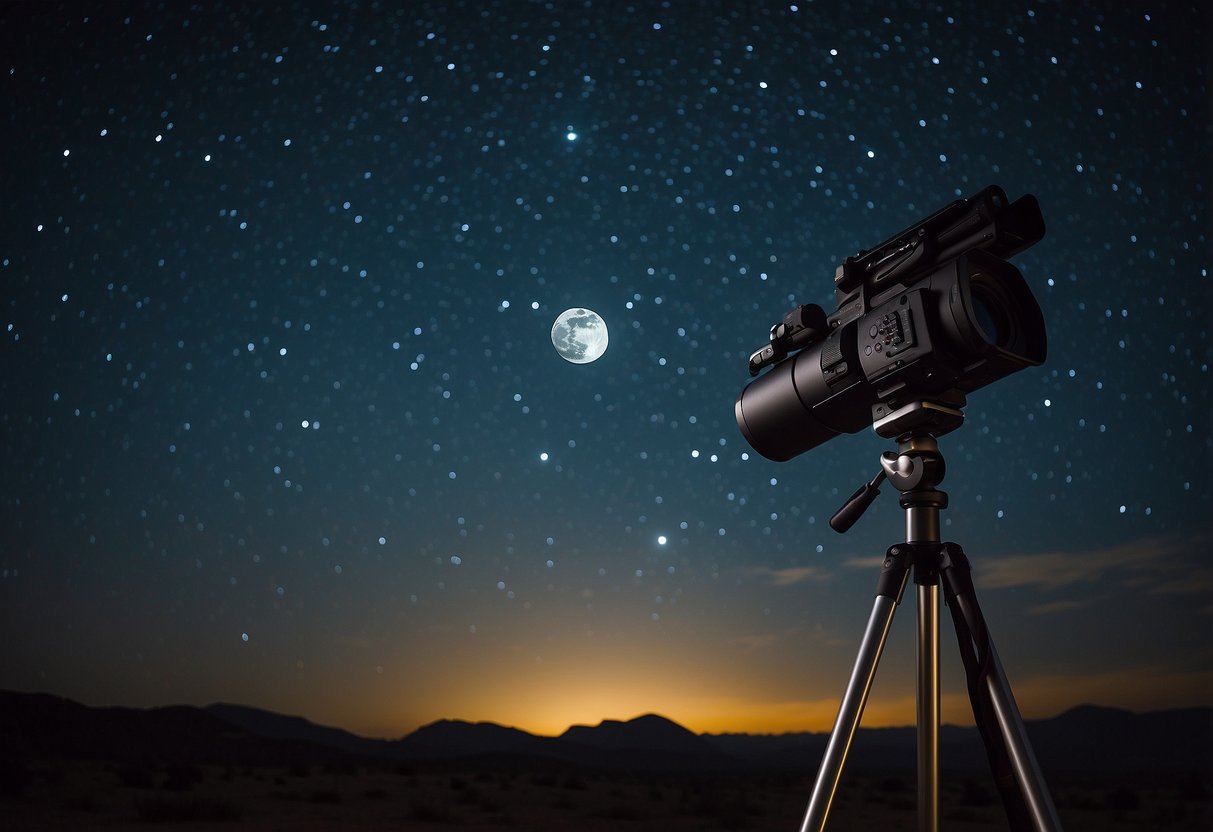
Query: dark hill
{"points": [[40, 726], [1091, 738], [276, 726], [456, 738], [1085, 739], [644, 733]]}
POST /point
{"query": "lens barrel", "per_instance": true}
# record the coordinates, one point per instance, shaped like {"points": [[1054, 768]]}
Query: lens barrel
{"points": [[967, 323]]}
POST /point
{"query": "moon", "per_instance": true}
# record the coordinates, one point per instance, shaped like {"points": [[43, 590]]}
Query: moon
{"points": [[579, 335]]}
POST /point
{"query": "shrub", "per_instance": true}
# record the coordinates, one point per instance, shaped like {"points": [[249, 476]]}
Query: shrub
{"points": [[324, 796], [85, 803], [1122, 799], [429, 813], [181, 777], [14, 778], [137, 776], [621, 813], [973, 793], [170, 810]]}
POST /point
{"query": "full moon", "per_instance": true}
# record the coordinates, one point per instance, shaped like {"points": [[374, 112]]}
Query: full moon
{"points": [[579, 335]]}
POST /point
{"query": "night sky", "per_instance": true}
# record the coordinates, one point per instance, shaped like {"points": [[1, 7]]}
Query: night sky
{"points": [[282, 423]]}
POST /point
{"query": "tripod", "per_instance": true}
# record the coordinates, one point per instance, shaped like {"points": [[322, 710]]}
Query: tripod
{"points": [[915, 471]]}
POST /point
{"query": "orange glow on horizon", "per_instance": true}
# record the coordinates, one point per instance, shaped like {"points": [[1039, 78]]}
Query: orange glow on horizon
{"points": [[590, 702], [707, 716], [544, 687]]}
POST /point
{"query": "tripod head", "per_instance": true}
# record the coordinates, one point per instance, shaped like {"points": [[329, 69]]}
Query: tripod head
{"points": [[915, 469]]}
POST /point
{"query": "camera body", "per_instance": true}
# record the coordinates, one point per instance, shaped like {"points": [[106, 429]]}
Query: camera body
{"points": [[933, 313]]}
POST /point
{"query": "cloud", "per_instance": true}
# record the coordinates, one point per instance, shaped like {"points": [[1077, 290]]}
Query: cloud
{"points": [[1059, 606], [873, 562], [1159, 565], [1140, 688], [1052, 570], [791, 575], [802, 638], [1152, 564], [1199, 580], [758, 641]]}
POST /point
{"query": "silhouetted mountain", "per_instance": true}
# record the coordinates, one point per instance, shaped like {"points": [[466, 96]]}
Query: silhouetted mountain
{"points": [[281, 727], [41, 726], [644, 733], [648, 742], [456, 738], [1091, 738], [1085, 739], [443, 739]]}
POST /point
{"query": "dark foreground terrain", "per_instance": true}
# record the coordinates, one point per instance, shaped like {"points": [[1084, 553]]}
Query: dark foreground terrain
{"points": [[96, 795], [67, 766]]}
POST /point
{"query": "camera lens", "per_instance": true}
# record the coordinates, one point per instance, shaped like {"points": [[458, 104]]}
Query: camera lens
{"points": [[990, 310]]}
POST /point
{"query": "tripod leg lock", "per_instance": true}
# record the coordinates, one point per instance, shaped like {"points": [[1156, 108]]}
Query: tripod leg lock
{"points": [[956, 571], [897, 563]]}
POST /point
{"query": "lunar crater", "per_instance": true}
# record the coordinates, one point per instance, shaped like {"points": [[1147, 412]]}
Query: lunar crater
{"points": [[580, 335]]}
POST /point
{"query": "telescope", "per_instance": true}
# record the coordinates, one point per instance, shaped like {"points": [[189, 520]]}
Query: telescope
{"points": [[928, 316], [922, 320]]}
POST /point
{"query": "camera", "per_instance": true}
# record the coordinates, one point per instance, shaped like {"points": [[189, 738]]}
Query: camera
{"points": [[930, 315]]}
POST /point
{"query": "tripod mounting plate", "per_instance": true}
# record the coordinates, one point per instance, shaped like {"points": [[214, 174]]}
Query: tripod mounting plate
{"points": [[935, 418]]}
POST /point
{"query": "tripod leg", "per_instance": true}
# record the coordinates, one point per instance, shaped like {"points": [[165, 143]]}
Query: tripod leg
{"points": [[1029, 805], [928, 705], [888, 595], [1031, 781]]}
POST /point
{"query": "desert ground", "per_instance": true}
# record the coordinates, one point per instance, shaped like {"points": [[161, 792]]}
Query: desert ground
{"points": [[494, 796]]}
